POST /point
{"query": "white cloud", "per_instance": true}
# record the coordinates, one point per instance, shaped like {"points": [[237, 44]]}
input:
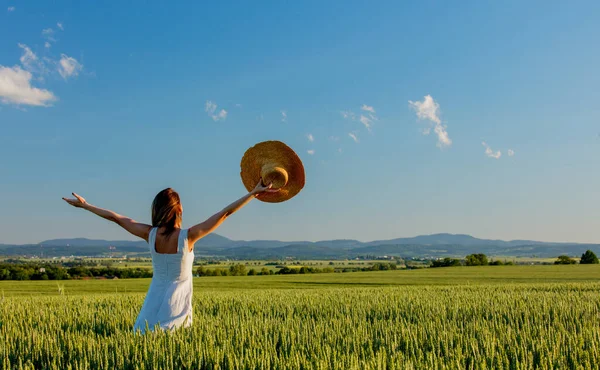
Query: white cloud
{"points": [[366, 121], [429, 110], [15, 88], [368, 108], [47, 45], [221, 116], [311, 152], [348, 114], [48, 34], [238, 105], [489, 152], [211, 108], [11, 8], [60, 26], [334, 138], [511, 152], [443, 138], [28, 59], [353, 136], [283, 116], [69, 66], [310, 138]]}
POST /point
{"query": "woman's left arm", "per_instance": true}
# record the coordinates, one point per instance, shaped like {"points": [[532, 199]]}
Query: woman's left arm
{"points": [[136, 228]]}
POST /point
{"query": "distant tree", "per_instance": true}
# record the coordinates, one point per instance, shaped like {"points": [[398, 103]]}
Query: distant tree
{"points": [[588, 258], [478, 259], [252, 272], [238, 270], [264, 271], [220, 272], [564, 260], [446, 262], [496, 263]]}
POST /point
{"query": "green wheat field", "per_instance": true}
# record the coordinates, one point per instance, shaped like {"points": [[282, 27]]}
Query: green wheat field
{"points": [[505, 317]]}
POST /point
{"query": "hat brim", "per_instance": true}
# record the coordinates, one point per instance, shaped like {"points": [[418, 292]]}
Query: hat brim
{"points": [[273, 152]]}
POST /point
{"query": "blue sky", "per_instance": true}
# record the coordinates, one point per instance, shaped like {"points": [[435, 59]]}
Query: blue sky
{"points": [[116, 101]]}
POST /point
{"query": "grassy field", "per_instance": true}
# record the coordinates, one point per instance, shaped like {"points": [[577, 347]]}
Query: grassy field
{"points": [[501, 317], [440, 276]]}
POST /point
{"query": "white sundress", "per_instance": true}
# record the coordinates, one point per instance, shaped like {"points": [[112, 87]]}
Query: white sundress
{"points": [[169, 299]]}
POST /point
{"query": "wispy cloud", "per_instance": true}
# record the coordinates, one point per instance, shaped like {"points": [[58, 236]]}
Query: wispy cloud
{"points": [[511, 152], [211, 108], [346, 114], [30, 62], [489, 152], [429, 110], [60, 26], [310, 138], [16, 88], [283, 116], [47, 45], [11, 9], [221, 116], [311, 151], [28, 59], [368, 108], [334, 138], [366, 121], [48, 34], [69, 67], [353, 136]]}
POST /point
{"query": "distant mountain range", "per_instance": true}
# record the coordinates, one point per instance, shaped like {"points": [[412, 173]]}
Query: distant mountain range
{"points": [[436, 245]]}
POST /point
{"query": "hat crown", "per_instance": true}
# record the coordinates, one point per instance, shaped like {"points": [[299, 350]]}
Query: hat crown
{"points": [[275, 175]]}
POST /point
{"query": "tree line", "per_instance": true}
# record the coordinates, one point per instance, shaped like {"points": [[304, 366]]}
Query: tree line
{"points": [[480, 259], [241, 270], [34, 271]]}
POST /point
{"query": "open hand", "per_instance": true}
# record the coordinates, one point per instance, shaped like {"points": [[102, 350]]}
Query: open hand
{"points": [[78, 202]]}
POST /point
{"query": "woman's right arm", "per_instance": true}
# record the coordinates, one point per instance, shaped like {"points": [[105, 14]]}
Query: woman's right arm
{"points": [[202, 229]]}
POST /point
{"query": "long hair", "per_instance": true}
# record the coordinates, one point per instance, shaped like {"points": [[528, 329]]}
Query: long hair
{"points": [[166, 210]]}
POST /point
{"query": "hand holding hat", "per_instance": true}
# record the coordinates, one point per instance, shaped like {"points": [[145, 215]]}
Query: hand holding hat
{"points": [[274, 164]]}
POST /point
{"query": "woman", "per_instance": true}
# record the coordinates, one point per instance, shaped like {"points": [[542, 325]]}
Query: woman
{"points": [[169, 299]]}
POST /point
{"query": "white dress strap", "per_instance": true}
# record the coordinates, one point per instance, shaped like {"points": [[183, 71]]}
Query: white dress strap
{"points": [[152, 240], [182, 242]]}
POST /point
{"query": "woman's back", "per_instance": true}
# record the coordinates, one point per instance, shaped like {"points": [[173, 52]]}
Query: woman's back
{"points": [[169, 299]]}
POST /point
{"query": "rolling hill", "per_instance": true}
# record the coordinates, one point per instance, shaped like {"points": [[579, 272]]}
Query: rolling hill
{"points": [[436, 245]]}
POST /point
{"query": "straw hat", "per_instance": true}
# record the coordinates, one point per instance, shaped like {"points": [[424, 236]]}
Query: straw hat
{"points": [[275, 163]]}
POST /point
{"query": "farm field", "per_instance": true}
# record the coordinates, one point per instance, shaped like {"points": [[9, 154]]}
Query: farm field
{"points": [[498, 317], [431, 276]]}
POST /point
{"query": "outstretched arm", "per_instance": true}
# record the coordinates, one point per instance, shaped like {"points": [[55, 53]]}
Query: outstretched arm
{"points": [[136, 228], [202, 229]]}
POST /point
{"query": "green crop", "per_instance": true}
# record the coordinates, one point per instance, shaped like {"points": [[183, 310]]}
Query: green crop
{"points": [[491, 326]]}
